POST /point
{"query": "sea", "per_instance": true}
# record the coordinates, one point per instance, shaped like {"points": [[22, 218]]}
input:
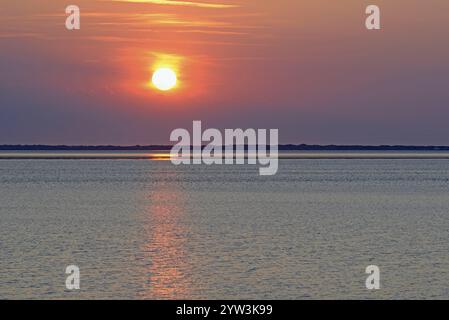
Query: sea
{"points": [[138, 227]]}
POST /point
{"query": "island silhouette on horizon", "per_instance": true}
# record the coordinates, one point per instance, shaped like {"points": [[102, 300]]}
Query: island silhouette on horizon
{"points": [[282, 147]]}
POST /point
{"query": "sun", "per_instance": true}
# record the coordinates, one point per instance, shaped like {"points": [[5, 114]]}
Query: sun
{"points": [[164, 79]]}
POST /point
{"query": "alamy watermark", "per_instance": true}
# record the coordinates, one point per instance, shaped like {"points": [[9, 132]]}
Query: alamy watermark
{"points": [[373, 280], [73, 21], [72, 282], [372, 22], [237, 147]]}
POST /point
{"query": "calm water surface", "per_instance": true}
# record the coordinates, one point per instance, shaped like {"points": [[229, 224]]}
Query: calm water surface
{"points": [[143, 229]]}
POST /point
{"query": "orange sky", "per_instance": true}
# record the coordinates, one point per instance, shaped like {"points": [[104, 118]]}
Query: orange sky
{"points": [[309, 68]]}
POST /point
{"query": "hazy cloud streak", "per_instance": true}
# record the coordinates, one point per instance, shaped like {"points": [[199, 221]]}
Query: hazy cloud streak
{"points": [[182, 3]]}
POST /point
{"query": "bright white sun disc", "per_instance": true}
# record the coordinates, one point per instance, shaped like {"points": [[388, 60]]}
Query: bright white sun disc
{"points": [[164, 79]]}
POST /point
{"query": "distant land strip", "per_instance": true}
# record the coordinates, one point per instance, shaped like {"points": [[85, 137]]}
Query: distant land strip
{"points": [[284, 147]]}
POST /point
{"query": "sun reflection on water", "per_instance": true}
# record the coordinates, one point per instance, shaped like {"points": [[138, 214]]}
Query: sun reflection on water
{"points": [[168, 272]]}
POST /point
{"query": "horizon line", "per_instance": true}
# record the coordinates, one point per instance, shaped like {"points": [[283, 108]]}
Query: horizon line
{"points": [[284, 147]]}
